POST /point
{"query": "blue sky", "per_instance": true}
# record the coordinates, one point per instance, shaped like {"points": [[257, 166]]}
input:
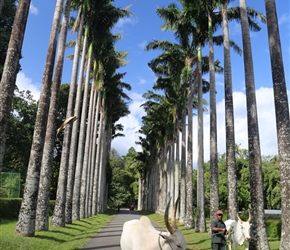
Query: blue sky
{"points": [[143, 27]]}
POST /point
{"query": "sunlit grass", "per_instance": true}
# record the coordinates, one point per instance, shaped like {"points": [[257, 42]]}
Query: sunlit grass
{"points": [[72, 236]]}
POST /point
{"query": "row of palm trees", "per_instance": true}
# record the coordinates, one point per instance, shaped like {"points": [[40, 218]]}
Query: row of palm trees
{"points": [[95, 82], [91, 114], [179, 69]]}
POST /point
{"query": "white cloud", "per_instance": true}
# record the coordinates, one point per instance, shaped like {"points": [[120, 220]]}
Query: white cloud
{"points": [[25, 83], [33, 10], [131, 123], [125, 20], [142, 81], [143, 44], [266, 119], [283, 19]]}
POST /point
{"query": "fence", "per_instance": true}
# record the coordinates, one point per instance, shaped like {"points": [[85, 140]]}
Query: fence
{"points": [[9, 185]]}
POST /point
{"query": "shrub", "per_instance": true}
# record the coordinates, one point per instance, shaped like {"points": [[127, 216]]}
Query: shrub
{"points": [[9, 208], [273, 228]]}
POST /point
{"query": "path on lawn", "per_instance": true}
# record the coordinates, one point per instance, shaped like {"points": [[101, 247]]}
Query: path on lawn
{"points": [[109, 236]]}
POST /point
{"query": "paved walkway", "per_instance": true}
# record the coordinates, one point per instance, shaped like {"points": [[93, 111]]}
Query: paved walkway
{"points": [[109, 237]]}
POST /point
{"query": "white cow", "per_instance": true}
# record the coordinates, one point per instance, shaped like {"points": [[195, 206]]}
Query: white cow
{"points": [[141, 235], [239, 232]]}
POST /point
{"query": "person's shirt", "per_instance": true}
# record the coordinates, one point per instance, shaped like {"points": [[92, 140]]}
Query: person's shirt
{"points": [[218, 236]]}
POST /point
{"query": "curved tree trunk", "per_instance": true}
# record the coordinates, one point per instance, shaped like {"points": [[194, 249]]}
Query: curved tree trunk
{"points": [[282, 118], [229, 120], [26, 221], [10, 70], [42, 212], [258, 230]]}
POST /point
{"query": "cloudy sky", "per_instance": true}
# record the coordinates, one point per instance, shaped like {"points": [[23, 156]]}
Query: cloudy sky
{"points": [[143, 27]]}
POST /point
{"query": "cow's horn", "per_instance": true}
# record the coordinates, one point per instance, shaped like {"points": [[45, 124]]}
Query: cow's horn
{"points": [[249, 219], [174, 225], [169, 228], [239, 217]]}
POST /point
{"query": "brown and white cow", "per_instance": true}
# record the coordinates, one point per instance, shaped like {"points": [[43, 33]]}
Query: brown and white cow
{"points": [[239, 232], [141, 234]]}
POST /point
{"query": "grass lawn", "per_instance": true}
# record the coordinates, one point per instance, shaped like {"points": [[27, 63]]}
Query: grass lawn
{"points": [[74, 236]]}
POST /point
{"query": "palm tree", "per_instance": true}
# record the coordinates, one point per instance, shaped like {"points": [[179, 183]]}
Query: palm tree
{"points": [[259, 239], [42, 213], [282, 117], [214, 192], [26, 221], [229, 121], [72, 210], [66, 146], [183, 32], [10, 70], [81, 140]]}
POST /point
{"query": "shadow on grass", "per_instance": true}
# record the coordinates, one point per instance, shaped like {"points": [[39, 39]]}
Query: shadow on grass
{"points": [[50, 238]]}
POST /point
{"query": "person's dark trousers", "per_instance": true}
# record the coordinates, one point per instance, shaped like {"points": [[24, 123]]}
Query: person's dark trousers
{"points": [[218, 246]]}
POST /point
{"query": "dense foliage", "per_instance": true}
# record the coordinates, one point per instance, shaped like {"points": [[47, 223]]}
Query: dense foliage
{"points": [[20, 132], [123, 181], [6, 22]]}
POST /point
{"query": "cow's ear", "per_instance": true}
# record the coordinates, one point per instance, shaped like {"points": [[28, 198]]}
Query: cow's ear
{"points": [[165, 237]]}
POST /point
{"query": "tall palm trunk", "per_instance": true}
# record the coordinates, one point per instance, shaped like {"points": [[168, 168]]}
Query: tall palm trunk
{"points": [[26, 221], [259, 236], [96, 137], [65, 153], [81, 141], [189, 193], [177, 166], [214, 183], [200, 220], [229, 120], [93, 152], [88, 146], [101, 155], [182, 215], [73, 214], [42, 212], [10, 70], [282, 118]]}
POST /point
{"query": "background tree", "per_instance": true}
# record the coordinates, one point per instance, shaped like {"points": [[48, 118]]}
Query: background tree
{"points": [[6, 23], [19, 133], [11, 68]]}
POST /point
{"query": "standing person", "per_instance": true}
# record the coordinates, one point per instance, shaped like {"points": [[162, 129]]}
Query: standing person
{"points": [[218, 229]]}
